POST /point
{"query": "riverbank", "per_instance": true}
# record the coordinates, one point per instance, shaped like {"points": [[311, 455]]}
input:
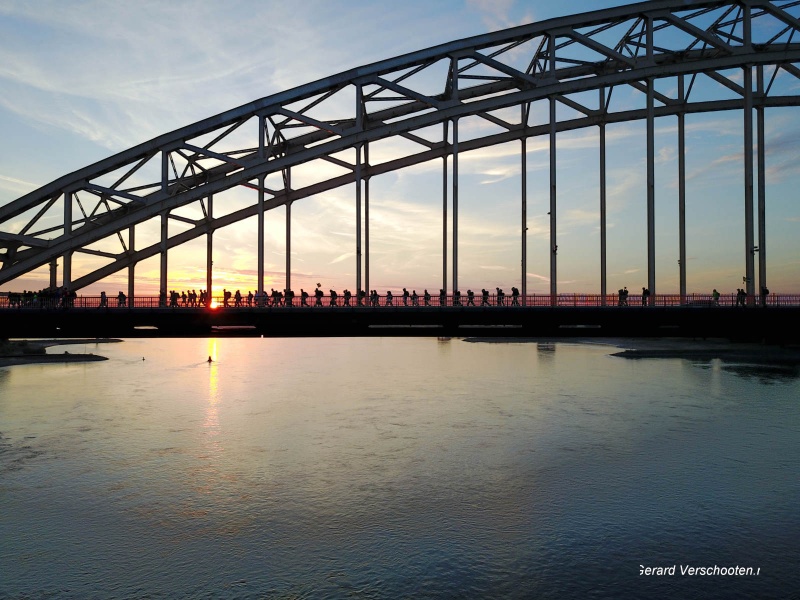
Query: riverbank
{"points": [[690, 349], [27, 352]]}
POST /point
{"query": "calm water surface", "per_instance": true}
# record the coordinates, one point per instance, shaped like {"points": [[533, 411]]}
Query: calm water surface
{"points": [[395, 468]]}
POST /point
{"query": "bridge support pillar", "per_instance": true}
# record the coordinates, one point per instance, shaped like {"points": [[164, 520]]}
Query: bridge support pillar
{"points": [[53, 274], [553, 207], [524, 227], [750, 248], [358, 217], [260, 285], [67, 272], [455, 205], [288, 186], [444, 212], [209, 253], [132, 266], [682, 192], [164, 238], [366, 220], [603, 258], [651, 187], [762, 226]]}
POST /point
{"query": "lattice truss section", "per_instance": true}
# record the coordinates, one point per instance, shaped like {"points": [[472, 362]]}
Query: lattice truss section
{"points": [[694, 52]]}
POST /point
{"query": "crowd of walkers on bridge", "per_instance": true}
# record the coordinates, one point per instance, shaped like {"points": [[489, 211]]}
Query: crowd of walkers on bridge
{"points": [[287, 298], [64, 298], [59, 296]]}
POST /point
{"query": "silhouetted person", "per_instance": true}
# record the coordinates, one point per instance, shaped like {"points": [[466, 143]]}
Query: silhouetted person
{"points": [[457, 298], [103, 300], [442, 298], [715, 297], [405, 297], [334, 296], [470, 298], [485, 297], [121, 299], [347, 296], [741, 298], [645, 296], [514, 296], [414, 298], [389, 298], [764, 294], [426, 298], [318, 297], [500, 297], [237, 298], [303, 297]]}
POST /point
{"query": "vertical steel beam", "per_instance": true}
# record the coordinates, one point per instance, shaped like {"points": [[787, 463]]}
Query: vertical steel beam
{"points": [[288, 185], [651, 169], [455, 204], [748, 182], [162, 285], [209, 252], [132, 266], [67, 274], [366, 219], [651, 188], [164, 240], [262, 124], [54, 274], [524, 224], [682, 191], [603, 257], [164, 170], [444, 211], [261, 182], [358, 216], [553, 195], [748, 160], [553, 206], [762, 184]]}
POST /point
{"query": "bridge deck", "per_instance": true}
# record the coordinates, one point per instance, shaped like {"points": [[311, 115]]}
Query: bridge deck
{"points": [[777, 323]]}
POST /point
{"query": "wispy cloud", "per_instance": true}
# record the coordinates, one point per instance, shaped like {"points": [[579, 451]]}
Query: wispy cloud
{"points": [[16, 185]]}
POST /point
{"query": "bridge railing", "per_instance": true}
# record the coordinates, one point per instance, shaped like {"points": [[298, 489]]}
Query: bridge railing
{"points": [[12, 301]]}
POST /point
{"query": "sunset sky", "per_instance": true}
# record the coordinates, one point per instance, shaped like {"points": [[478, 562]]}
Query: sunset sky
{"points": [[80, 81]]}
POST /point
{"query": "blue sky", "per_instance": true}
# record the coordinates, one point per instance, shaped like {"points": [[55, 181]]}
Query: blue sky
{"points": [[82, 80]]}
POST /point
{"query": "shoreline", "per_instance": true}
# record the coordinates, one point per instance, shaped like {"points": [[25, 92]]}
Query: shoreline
{"points": [[32, 352], [37, 359], [689, 349]]}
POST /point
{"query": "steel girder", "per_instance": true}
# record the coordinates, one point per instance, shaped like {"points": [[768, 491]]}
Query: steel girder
{"points": [[628, 47]]}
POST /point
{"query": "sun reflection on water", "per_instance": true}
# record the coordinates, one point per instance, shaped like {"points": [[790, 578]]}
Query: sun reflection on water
{"points": [[211, 423]]}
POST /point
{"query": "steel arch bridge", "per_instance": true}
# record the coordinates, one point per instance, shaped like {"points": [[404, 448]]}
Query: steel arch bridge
{"points": [[661, 49]]}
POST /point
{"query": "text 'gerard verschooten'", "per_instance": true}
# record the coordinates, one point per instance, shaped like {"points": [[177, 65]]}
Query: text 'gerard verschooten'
{"points": [[688, 570]]}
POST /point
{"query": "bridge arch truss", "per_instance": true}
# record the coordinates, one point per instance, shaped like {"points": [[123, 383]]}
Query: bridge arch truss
{"points": [[748, 47]]}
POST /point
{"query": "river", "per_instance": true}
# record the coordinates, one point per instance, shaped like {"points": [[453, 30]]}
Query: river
{"points": [[396, 468]]}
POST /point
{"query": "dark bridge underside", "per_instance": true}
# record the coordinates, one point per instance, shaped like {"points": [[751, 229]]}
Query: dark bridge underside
{"points": [[774, 324]]}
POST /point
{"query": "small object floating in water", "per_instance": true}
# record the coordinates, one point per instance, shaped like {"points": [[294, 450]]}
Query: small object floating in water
{"points": [[209, 359]]}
